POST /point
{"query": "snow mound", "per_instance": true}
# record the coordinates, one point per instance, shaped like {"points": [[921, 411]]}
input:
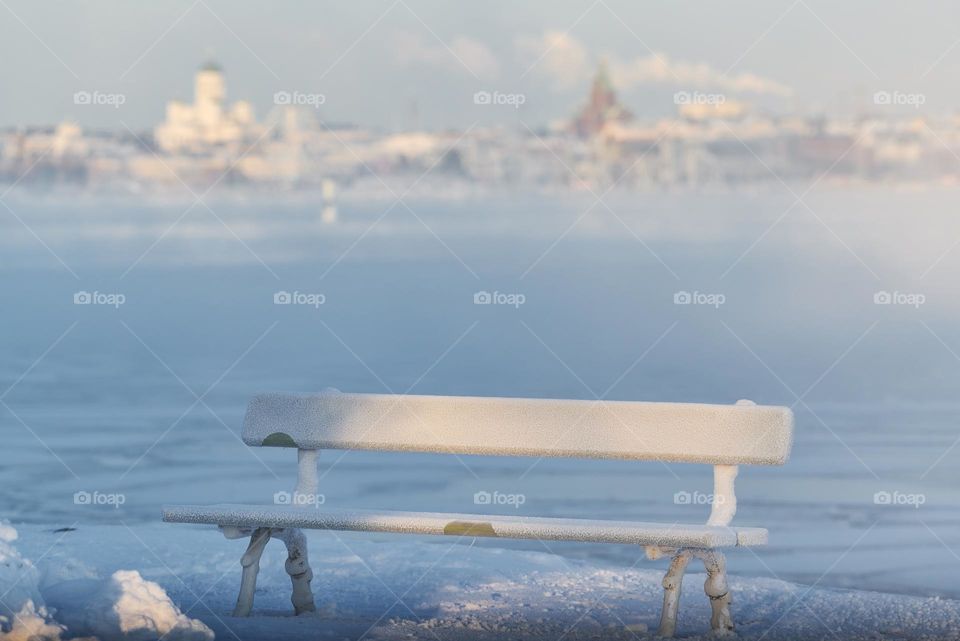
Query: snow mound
{"points": [[23, 615], [30, 624], [7, 532], [19, 579], [126, 607], [123, 607]]}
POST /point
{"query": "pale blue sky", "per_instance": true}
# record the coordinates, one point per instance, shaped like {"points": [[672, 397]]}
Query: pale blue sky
{"points": [[417, 63]]}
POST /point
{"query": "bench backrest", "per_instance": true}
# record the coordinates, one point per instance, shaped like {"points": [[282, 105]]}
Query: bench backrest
{"points": [[674, 432]]}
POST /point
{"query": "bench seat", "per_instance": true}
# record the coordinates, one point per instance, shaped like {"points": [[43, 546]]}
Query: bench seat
{"points": [[510, 527]]}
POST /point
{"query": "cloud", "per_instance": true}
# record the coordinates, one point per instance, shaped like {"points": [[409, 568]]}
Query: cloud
{"points": [[464, 54], [658, 68], [556, 54], [567, 63], [476, 56]]}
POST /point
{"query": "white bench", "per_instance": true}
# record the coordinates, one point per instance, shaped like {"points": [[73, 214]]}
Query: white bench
{"points": [[724, 436]]}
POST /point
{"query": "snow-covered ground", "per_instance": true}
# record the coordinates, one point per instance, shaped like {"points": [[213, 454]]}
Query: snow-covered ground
{"points": [[179, 583]]}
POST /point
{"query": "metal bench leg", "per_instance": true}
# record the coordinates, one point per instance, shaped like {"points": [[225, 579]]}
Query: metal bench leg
{"points": [[716, 588], [251, 567], [298, 567], [671, 593]]}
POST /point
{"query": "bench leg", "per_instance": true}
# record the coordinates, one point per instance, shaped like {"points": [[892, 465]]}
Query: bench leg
{"points": [[671, 593], [298, 567], [251, 567], [716, 588]]}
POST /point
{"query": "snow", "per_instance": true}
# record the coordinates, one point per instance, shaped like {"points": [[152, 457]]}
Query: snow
{"points": [[65, 600], [30, 624], [723, 503], [7, 533], [119, 582], [22, 612], [125, 606]]}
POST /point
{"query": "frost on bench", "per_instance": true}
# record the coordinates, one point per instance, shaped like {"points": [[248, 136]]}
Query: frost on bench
{"points": [[656, 535], [297, 564], [739, 434], [724, 436]]}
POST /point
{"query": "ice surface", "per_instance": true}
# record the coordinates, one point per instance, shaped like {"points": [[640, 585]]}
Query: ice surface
{"points": [[598, 301]]}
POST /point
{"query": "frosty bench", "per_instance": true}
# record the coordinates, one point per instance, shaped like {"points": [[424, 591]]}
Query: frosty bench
{"points": [[724, 436]]}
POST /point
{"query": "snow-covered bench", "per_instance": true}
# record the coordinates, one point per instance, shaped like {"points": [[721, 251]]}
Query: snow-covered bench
{"points": [[724, 436]]}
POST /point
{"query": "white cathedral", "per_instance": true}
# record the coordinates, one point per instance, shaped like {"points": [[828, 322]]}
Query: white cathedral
{"points": [[209, 121]]}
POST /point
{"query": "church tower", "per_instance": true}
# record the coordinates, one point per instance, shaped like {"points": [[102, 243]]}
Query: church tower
{"points": [[209, 93], [603, 106]]}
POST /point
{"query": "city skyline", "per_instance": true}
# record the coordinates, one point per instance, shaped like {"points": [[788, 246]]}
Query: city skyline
{"points": [[709, 140]]}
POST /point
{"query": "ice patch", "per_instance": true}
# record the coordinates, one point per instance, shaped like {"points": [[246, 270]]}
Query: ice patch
{"points": [[61, 569]]}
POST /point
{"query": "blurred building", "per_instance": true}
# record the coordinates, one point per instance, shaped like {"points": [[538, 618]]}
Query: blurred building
{"points": [[602, 107], [209, 121]]}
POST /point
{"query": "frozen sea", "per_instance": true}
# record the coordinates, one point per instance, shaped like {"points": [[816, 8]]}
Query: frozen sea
{"points": [[146, 399]]}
